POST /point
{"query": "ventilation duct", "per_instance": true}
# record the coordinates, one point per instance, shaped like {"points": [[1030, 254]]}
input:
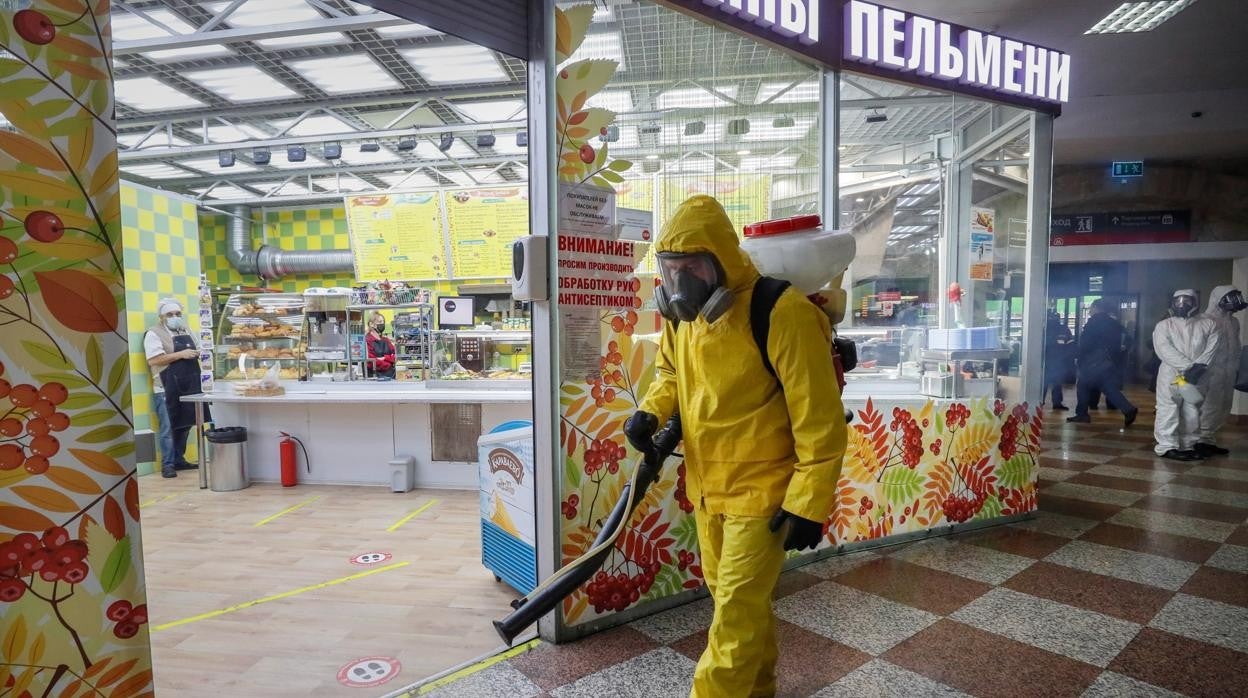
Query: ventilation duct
{"points": [[270, 262]]}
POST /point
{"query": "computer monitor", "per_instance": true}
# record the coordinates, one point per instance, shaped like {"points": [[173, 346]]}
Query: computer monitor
{"points": [[455, 312]]}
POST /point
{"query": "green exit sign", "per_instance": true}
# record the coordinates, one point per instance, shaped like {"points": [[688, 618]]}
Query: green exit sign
{"points": [[1128, 169]]}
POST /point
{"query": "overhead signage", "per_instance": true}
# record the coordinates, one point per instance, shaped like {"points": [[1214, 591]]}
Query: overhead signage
{"points": [[870, 38], [1128, 169], [1123, 227], [908, 43], [789, 18]]}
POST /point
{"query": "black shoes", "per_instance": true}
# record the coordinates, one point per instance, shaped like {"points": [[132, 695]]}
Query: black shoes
{"points": [[185, 465], [168, 472], [1061, 408], [1079, 419], [1209, 451], [1128, 417], [1182, 456]]}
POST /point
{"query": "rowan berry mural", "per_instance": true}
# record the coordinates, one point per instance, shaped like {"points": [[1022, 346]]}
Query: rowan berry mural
{"points": [[71, 582]]}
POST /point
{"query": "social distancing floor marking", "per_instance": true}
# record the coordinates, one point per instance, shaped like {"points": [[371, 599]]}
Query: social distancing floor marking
{"points": [[287, 510], [275, 597], [412, 515], [159, 500], [470, 669]]}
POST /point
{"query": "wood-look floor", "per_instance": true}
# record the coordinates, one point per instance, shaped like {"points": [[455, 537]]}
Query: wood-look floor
{"points": [[203, 552]]}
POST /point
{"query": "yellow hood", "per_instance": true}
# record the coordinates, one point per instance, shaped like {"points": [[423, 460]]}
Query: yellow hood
{"points": [[701, 225]]}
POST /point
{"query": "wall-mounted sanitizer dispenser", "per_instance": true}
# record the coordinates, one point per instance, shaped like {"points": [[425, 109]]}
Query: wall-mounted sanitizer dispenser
{"points": [[528, 269]]}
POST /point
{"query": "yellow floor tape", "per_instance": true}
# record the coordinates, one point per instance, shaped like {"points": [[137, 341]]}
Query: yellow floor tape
{"points": [[275, 597], [158, 500], [287, 510], [472, 669], [411, 516]]}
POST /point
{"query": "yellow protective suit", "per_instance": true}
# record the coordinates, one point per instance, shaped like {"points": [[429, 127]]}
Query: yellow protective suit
{"points": [[750, 447]]}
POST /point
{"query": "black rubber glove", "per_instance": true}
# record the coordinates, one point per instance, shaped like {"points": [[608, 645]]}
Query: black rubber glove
{"points": [[640, 429], [803, 533], [1195, 373]]}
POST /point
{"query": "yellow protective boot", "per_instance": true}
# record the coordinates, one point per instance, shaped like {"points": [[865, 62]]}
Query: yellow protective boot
{"points": [[741, 562]]}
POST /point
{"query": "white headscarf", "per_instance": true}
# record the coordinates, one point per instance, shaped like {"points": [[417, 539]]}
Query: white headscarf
{"points": [[168, 305]]}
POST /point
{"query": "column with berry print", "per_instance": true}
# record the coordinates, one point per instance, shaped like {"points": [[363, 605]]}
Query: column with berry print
{"points": [[71, 582]]}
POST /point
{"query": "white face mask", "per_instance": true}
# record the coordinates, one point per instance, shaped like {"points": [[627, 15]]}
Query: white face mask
{"points": [[175, 324]]}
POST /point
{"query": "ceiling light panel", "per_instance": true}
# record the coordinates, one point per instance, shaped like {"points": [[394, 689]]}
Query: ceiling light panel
{"points": [[352, 155], [908, 201], [922, 189], [441, 65], [618, 101], [1131, 17], [150, 94], [225, 191], [324, 125], [763, 130], [244, 84], [782, 93], [343, 182], [407, 31], [775, 163], [211, 166], [222, 133], [280, 188], [497, 110], [280, 162], [131, 27], [419, 180], [505, 144], [345, 74], [603, 45], [156, 140], [696, 97], [156, 171], [264, 13]]}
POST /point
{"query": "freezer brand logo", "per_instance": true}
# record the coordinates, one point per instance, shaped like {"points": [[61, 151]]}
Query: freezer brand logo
{"points": [[502, 460], [791, 18], [896, 40]]}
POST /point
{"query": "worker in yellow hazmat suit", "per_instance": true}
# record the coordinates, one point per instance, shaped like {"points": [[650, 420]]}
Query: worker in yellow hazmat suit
{"points": [[762, 455]]}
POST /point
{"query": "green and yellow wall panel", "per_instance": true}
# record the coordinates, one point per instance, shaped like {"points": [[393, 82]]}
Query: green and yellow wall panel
{"points": [[160, 236]]}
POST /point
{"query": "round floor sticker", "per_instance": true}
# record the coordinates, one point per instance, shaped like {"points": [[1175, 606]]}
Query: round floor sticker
{"points": [[368, 672], [365, 559]]}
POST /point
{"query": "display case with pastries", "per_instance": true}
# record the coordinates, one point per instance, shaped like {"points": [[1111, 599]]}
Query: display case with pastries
{"points": [[482, 359], [266, 327]]}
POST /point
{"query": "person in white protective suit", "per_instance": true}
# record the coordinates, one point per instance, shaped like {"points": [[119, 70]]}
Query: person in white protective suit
{"points": [[1186, 343], [1218, 384]]}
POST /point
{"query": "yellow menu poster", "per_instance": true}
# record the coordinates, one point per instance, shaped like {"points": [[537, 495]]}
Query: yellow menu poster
{"points": [[745, 198], [397, 237], [483, 224]]}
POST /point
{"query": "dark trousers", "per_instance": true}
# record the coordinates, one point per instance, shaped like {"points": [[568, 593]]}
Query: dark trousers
{"points": [[1055, 387], [1101, 384]]}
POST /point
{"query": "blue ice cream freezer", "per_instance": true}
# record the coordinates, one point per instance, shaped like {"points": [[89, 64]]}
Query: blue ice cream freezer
{"points": [[508, 504]]}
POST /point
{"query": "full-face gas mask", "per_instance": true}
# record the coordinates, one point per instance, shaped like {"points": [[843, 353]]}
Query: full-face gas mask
{"points": [[1233, 302], [692, 284], [1184, 304]]}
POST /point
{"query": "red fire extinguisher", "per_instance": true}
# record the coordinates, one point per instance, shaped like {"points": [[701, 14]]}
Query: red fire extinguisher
{"points": [[290, 460]]}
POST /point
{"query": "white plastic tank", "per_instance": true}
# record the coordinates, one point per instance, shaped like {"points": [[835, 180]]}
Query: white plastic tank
{"points": [[799, 250]]}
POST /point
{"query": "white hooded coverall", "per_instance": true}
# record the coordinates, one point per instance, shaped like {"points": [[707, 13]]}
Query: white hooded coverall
{"points": [[1179, 343], [1218, 385]]}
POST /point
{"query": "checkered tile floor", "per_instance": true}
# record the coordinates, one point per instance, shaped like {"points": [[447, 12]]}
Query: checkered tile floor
{"points": [[1132, 581]]}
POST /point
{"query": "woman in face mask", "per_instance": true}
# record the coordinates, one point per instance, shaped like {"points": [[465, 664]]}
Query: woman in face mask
{"points": [[381, 353]]}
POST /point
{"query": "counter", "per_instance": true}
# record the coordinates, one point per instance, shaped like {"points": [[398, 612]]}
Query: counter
{"points": [[353, 430]]}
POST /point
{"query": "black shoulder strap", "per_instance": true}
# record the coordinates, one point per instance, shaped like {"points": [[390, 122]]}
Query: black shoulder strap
{"points": [[767, 292]]}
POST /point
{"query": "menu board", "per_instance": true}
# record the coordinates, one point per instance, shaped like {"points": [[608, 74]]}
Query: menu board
{"points": [[745, 198], [483, 224], [397, 237]]}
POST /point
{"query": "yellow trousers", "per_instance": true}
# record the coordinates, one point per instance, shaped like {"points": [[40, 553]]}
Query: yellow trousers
{"points": [[741, 562]]}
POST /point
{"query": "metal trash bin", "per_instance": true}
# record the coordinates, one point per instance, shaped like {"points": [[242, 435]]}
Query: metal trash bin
{"points": [[227, 461]]}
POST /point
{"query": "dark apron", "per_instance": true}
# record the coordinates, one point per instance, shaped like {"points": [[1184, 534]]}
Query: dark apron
{"points": [[182, 378]]}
